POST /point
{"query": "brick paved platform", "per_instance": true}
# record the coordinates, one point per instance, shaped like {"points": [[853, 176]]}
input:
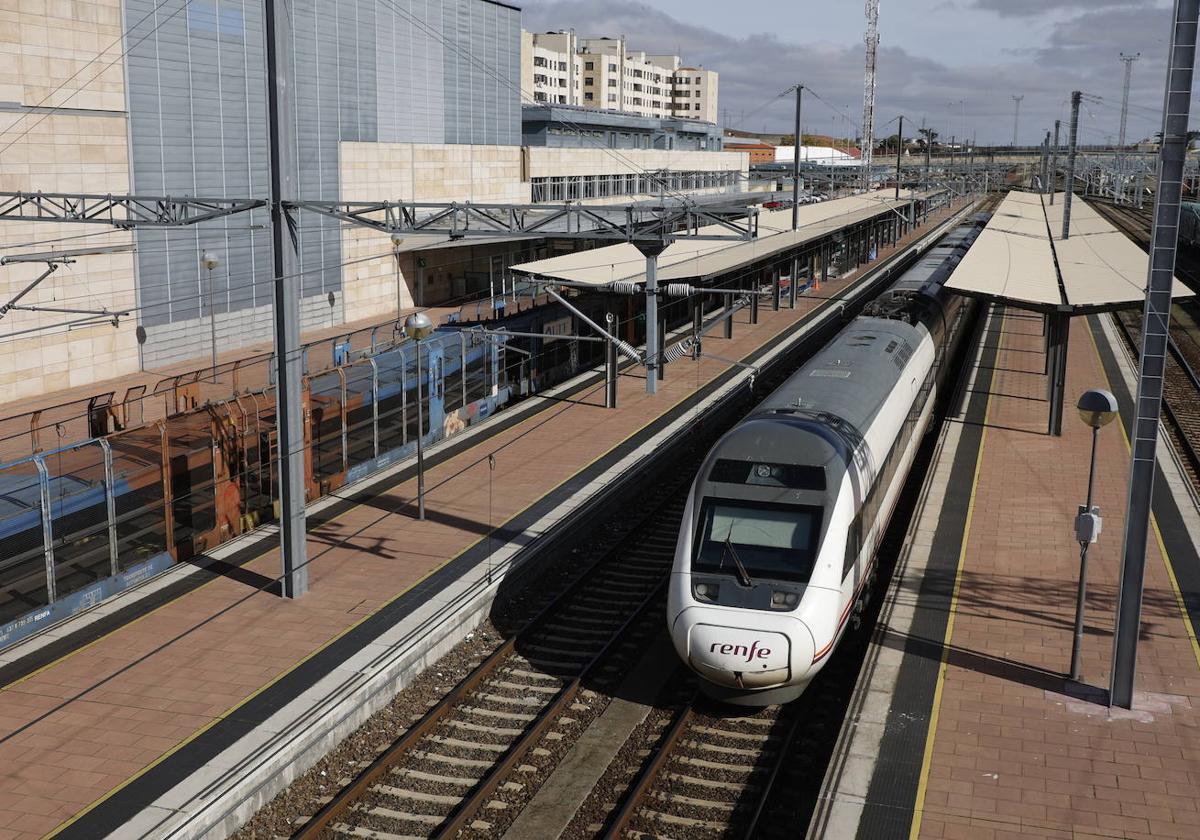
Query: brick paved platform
{"points": [[103, 733], [964, 725]]}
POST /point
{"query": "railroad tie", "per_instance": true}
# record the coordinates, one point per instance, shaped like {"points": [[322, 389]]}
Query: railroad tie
{"points": [[686, 822], [717, 765], [468, 745], [537, 689], [404, 816], [758, 737], [496, 713], [733, 787], [691, 801], [512, 701], [700, 745], [564, 652], [452, 759], [531, 675], [461, 781], [371, 833], [492, 730], [417, 795]]}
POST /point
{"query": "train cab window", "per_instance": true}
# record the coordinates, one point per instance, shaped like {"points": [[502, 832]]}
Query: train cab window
{"points": [[757, 539]]}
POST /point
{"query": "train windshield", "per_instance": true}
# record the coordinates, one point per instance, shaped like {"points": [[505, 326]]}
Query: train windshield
{"points": [[757, 540]]}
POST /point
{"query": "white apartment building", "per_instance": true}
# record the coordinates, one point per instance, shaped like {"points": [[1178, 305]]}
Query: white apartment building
{"points": [[559, 68]]}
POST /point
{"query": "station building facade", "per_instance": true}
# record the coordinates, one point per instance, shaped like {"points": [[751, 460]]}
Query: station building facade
{"points": [[406, 100]]}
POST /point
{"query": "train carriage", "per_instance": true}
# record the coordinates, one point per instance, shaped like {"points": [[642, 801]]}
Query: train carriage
{"points": [[777, 547]]}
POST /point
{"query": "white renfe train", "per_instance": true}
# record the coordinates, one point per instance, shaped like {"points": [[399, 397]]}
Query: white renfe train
{"points": [[777, 547]]}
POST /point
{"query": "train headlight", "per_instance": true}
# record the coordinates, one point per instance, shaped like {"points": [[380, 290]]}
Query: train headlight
{"points": [[783, 600], [706, 591]]}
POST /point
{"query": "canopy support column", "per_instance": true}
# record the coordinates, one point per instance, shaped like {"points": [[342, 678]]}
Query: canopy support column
{"points": [[1060, 330], [610, 364], [651, 250]]}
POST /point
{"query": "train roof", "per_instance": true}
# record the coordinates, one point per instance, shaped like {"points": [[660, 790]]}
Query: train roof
{"points": [[852, 375]]}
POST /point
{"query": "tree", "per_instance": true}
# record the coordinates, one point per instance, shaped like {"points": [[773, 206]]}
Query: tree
{"points": [[888, 144], [928, 138]]}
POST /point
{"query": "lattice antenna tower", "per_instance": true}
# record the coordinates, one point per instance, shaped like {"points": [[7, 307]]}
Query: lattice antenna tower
{"points": [[1128, 59], [868, 122]]}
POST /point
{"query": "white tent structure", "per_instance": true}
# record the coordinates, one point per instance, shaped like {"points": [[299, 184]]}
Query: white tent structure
{"points": [[816, 155]]}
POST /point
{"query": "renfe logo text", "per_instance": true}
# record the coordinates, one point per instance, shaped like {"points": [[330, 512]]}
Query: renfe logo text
{"points": [[751, 653]]}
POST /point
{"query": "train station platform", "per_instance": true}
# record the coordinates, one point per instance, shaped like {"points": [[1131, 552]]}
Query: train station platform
{"points": [[963, 724], [178, 709]]}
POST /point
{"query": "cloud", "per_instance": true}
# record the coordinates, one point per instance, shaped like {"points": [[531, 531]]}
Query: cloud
{"points": [[1077, 52], [1027, 8]]}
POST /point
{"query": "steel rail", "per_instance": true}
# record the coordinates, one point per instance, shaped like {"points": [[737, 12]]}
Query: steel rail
{"points": [[363, 782], [785, 750], [651, 773], [539, 726]]}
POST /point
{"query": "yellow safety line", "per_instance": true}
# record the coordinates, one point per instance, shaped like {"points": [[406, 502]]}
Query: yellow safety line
{"points": [[1162, 547], [927, 758], [686, 395]]}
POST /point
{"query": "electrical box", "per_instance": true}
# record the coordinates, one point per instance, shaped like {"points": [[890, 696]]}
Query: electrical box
{"points": [[1088, 524]]}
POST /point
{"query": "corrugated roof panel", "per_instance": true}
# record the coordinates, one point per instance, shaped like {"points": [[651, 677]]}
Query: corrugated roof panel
{"points": [[688, 258], [1006, 265], [1099, 266]]}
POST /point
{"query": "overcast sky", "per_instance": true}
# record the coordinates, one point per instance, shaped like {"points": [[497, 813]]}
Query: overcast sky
{"points": [[932, 53]]}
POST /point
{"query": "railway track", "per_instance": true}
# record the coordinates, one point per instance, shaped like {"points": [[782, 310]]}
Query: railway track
{"points": [[1181, 385], [712, 773], [442, 775], [473, 760]]}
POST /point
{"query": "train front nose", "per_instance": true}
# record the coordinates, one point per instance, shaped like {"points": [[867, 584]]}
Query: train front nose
{"points": [[744, 658]]}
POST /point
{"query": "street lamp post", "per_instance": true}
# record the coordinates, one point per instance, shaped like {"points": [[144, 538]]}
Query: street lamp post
{"points": [[397, 241], [210, 261], [418, 326], [1097, 408]]}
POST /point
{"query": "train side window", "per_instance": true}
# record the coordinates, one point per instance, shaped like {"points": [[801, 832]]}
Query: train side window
{"points": [[853, 544]]}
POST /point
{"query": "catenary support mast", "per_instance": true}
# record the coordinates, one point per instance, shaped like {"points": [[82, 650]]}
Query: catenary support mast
{"points": [[1151, 365]]}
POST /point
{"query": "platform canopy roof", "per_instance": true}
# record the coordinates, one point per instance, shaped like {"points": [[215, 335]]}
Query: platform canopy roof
{"points": [[691, 259], [1021, 259]]}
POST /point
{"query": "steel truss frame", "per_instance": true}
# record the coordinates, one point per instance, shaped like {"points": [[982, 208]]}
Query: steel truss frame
{"points": [[121, 211], [629, 223]]}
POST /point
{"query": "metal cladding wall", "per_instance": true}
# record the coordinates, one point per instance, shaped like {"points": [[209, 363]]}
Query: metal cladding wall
{"points": [[401, 71]]}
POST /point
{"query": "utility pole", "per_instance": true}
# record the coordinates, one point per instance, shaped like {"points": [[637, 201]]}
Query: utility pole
{"points": [[1054, 162], [1076, 96], [1171, 157], [928, 143], [899, 149], [286, 310], [796, 162], [1045, 160], [1016, 117]]}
